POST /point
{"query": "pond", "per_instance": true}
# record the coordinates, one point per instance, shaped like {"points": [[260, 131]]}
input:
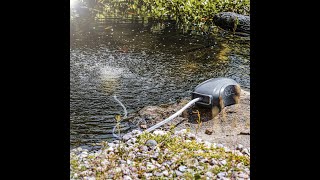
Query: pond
{"points": [[142, 64]]}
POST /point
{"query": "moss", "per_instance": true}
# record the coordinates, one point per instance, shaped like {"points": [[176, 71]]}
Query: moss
{"points": [[178, 147]]}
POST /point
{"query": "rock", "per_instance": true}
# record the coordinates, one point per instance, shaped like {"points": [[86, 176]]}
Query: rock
{"points": [[144, 148], [200, 167], [150, 166], [178, 173], [127, 178], [165, 173], [143, 126], [182, 168], [151, 143], [155, 155], [232, 22], [223, 162], [219, 145], [122, 161], [191, 136], [209, 131], [209, 174], [192, 162], [126, 137], [158, 173], [213, 162], [243, 175], [135, 132], [205, 160], [246, 151], [117, 170], [181, 132], [207, 144], [222, 174], [148, 174], [159, 132], [239, 147]]}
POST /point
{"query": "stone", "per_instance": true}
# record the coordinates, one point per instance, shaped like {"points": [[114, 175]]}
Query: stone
{"points": [[155, 155], [219, 145], [204, 160], [230, 20], [221, 174], [223, 162], [158, 174], [181, 132], [191, 136], [127, 178], [239, 147], [178, 173], [159, 132], [144, 148], [213, 162], [245, 151], [243, 175], [126, 137], [209, 174], [165, 173], [143, 126], [182, 168], [151, 143], [209, 131]]}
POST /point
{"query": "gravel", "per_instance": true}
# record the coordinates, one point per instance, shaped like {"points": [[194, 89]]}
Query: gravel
{"points": [[151, 156]]}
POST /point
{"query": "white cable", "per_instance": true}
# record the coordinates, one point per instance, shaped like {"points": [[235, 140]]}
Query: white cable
{"points": [[125, 116], [173, 116]]}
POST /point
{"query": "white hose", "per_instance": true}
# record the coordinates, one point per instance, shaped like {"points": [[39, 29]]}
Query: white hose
{"points": [[125, 116], [173, 116]]}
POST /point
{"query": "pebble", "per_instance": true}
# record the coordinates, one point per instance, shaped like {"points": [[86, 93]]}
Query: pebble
{"points": [[243, 175], [150, 166], [213, 162], [165, 173], [208, 131], [209, 174], [182, 168], [239, 147], [181, 132], [158, 174], [144, 148], [151, 143], [219, 145], [127, 178], [126, 137], [246, 151], [159, 132], [223, 162], [178, 173], [149, 153], [191, 136], [221, 174], [143, 126]]}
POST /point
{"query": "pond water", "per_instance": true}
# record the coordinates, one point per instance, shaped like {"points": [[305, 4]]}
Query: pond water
{"points": [[142, 64]]}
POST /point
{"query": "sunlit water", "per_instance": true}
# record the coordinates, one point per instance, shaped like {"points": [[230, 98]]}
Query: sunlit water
{"points": [[142, 68]]}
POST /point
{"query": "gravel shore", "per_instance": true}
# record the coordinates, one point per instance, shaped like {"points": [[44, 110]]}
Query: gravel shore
{"points": [[160, 155]]}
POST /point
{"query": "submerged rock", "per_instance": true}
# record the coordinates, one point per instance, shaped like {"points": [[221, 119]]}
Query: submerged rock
{"points": [[232, 22]]}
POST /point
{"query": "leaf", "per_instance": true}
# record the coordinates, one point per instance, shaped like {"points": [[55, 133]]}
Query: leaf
{"points": [[117, 117]]}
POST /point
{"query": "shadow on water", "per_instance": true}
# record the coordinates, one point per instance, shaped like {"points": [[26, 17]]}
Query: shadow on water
{"points": [[143, 64]]}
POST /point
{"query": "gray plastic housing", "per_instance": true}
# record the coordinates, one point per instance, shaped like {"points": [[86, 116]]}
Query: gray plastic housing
{"points": [[211, 90]]}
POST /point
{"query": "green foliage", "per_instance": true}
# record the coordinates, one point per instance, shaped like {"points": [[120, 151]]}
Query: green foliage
{"points": [[196, 15]]}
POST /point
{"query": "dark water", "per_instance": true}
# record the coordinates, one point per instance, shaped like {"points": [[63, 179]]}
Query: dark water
{"points": [[143, 65]]}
